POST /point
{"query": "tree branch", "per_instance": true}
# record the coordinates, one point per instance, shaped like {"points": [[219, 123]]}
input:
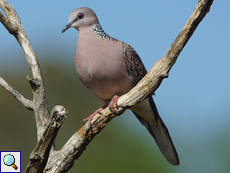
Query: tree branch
{"points": [[26, 102], [146, 87], [39, 156], [161, 68], [12, 23], [63, 160]]}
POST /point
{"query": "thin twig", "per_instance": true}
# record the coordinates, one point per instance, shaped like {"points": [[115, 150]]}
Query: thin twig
{"points": [[26, 102]]}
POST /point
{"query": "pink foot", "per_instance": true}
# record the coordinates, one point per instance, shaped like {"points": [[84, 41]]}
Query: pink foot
{"points": [[111, 107], [89, 118], [113, 103]]}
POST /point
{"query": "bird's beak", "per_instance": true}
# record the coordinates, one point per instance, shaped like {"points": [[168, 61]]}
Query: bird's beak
{"points": [[66, 27]]}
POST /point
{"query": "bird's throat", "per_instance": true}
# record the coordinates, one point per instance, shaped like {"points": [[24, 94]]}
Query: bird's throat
{"points": [[98, 30]]}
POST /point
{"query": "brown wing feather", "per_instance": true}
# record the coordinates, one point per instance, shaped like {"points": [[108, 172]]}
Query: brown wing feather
{"points": [[134, 66], [137, 71]]}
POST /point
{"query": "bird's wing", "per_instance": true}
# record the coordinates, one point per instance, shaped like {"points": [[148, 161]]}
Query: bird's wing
{"points": [[134, 65], [146, 111]]}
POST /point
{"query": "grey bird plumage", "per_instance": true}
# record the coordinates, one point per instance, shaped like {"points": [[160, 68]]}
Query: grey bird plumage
{"points": [[111, 68]]}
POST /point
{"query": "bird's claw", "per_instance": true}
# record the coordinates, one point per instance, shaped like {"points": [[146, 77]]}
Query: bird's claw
{"points": [[111, 105]]}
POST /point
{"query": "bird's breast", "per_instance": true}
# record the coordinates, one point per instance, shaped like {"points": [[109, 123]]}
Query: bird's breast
{"points": [[102, 69]]}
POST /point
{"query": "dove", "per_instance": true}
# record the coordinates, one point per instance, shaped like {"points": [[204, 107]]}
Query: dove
{"points": [[111, 68]]}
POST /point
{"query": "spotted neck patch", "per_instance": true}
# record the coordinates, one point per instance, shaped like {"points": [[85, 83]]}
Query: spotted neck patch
{"points": [[97, 29]]}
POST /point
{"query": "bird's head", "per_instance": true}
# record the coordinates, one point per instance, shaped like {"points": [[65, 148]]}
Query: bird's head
{"points": [[80, 18]]}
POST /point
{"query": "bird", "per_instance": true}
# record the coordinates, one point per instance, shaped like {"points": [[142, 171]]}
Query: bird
{"points": [[110, 68]]}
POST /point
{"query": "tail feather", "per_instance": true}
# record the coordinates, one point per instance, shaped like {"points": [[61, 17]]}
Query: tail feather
{"points": [[159, 132]]}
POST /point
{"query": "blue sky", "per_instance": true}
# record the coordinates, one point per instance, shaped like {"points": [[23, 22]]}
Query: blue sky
{"points": [[194, 101]]}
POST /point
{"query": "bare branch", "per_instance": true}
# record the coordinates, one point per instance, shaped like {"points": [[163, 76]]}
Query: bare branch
{"points": [[13, 24], [63, 159], [26, 102], [161, 68], [72, 150], [11, 20], [39, 156]]}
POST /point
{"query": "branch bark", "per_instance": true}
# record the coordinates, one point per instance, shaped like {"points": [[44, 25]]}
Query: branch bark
{"points": [[63, 160], [13, 24], [146, 87], [39, 156], [27, 103]]}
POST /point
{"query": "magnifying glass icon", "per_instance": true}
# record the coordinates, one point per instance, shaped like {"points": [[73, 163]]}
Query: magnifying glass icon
{"points": [[9, 160]]}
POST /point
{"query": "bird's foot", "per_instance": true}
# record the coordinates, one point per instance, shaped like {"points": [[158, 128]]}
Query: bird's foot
{"points": [[89, 118], [113, 103]]}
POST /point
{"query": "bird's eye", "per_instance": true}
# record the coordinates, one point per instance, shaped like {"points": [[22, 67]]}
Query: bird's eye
{"points": [[80, 16]]}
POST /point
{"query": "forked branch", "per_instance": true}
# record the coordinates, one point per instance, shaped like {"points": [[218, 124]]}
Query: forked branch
{"points": [[12, 23], [148, 85], [40, 154], [62, 161]]}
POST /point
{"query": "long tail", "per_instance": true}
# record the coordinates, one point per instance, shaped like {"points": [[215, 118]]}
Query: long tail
{"points": [[156, 127]]}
